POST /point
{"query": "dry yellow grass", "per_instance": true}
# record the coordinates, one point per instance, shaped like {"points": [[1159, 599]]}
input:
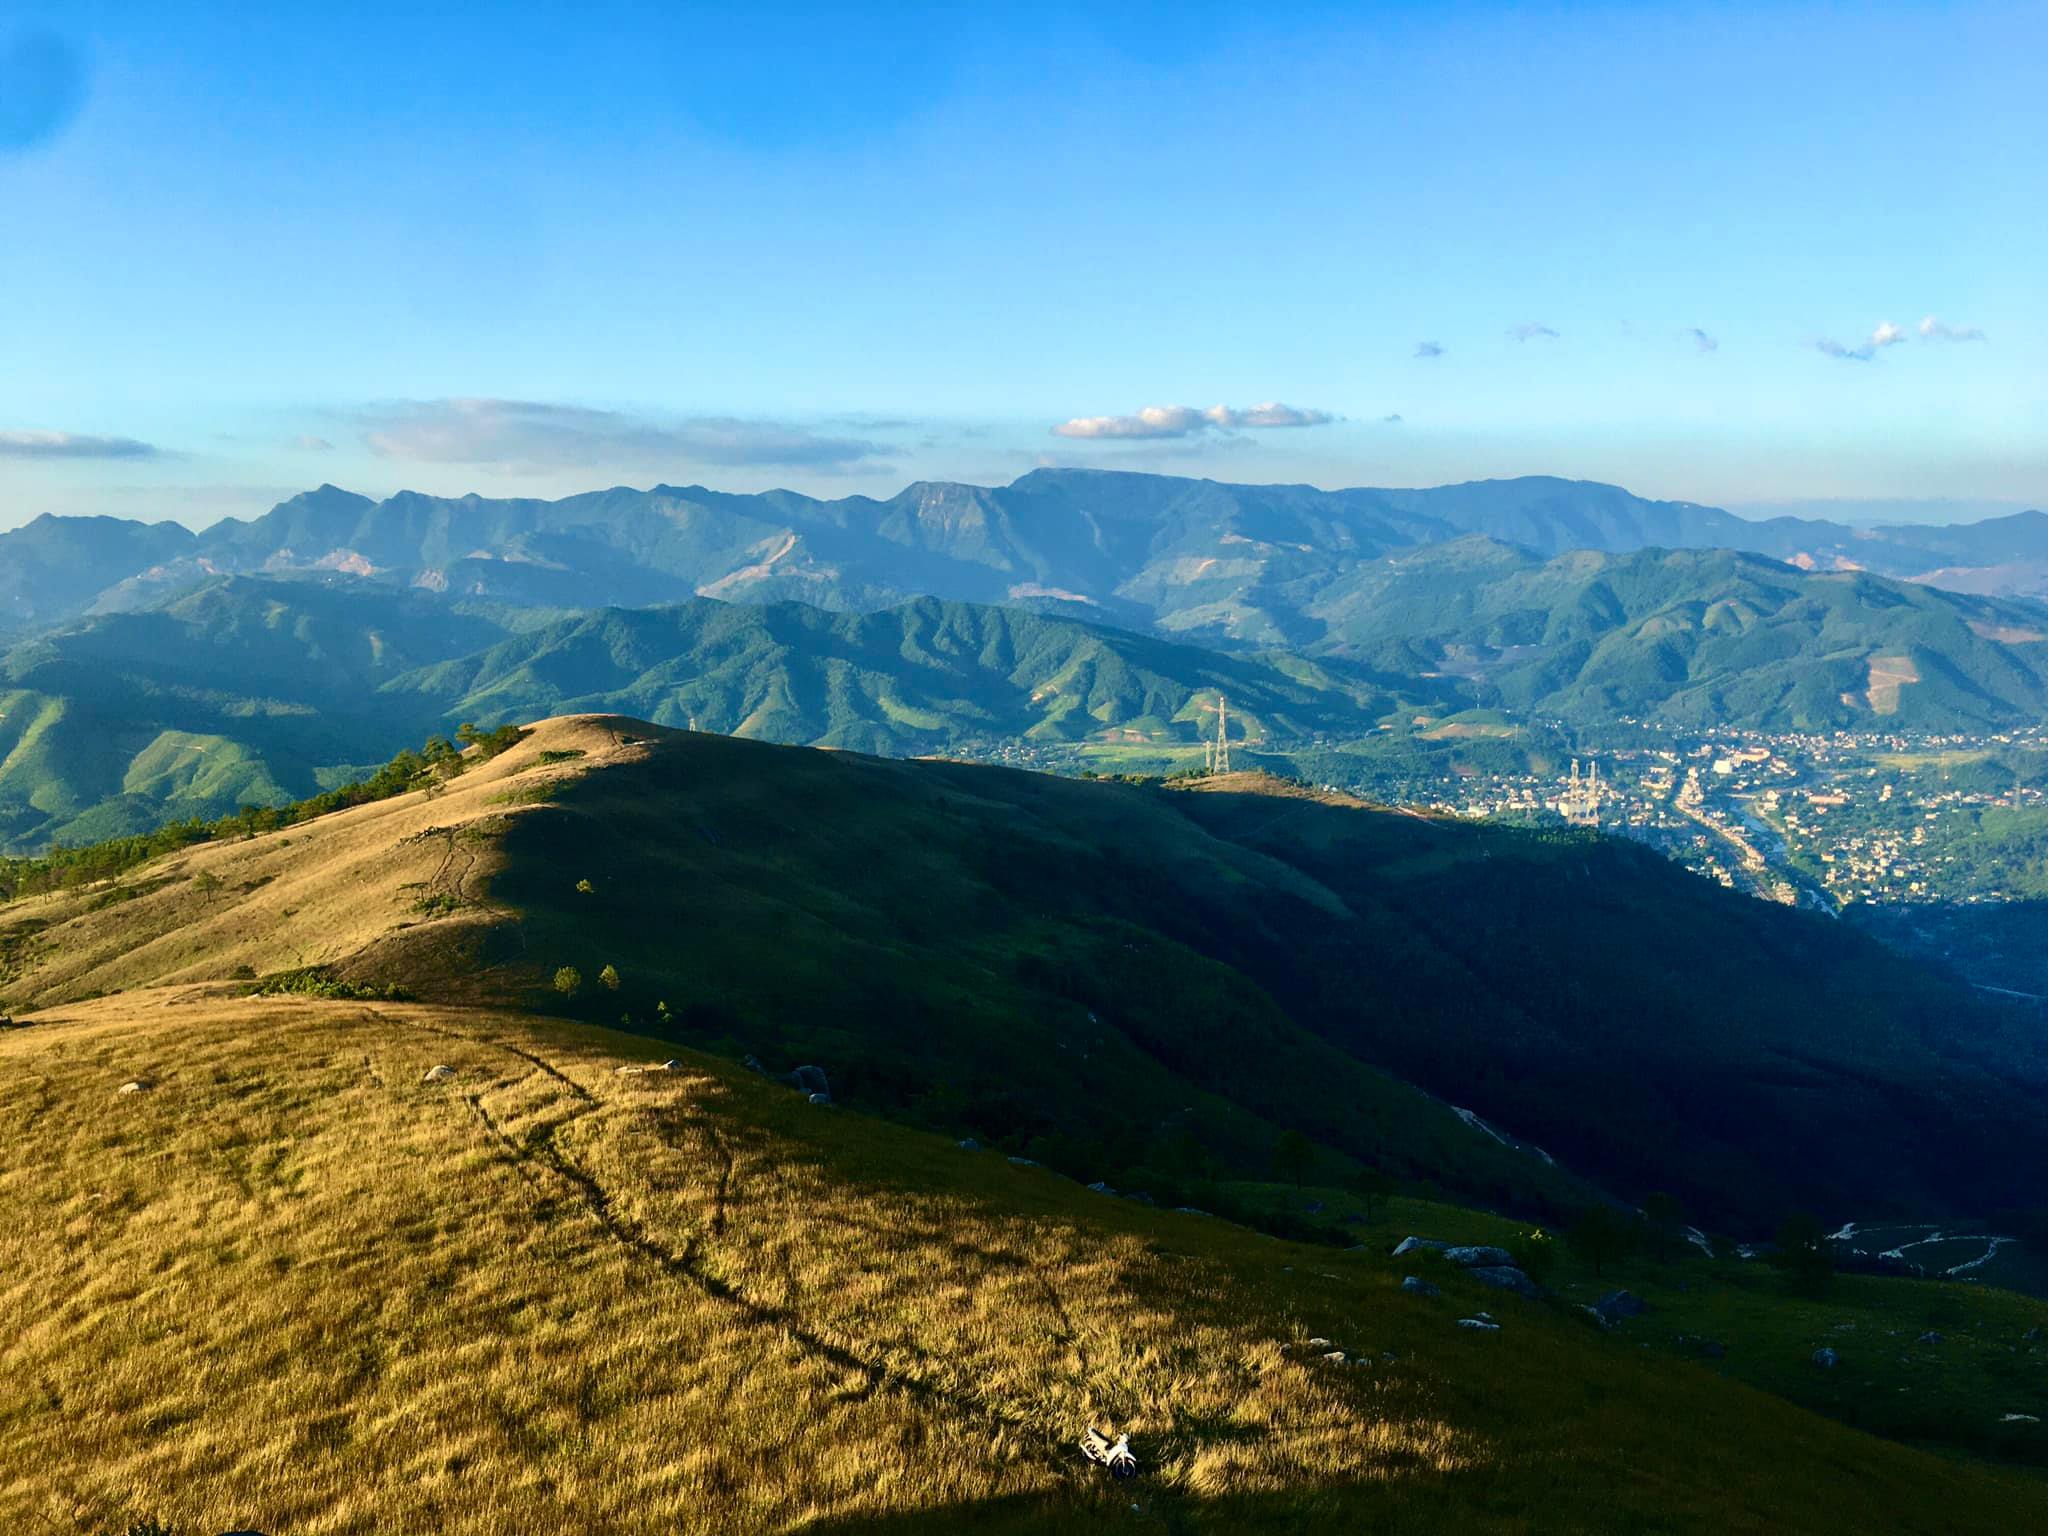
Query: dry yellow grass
{"points": [[295, 1287], [314, 894]]}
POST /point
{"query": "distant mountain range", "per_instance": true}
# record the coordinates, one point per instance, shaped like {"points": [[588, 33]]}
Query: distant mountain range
{"points": [[160, 673], [1229, 563]]}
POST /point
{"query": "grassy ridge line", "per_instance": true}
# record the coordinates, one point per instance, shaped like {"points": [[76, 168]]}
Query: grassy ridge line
{"points": [[61, 868], [295, 1287]]}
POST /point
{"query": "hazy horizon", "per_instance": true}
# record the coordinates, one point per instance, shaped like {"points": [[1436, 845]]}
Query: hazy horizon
{"points": [[1749, 256]]}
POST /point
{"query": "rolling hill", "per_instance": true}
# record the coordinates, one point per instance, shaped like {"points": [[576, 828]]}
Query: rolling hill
{"points": [[342, 1261], [1700, 638], [980, 950], [915, 678], [260, 691]]}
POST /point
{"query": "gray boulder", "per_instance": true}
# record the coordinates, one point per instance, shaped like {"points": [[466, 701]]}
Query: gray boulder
{"points": [[969, 1144], [1504, 1277], [1826, 1358], [1473, 1257], [1929, 1337], [1409, 1245], [1415, 1285], [1617, 1305], [809, 1080]]}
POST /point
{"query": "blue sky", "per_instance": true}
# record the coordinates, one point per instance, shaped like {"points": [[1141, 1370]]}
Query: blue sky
{"points": [[534, 249]]}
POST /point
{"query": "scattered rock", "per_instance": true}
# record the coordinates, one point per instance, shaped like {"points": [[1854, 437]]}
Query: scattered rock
{"points": [[138, 1085], [1318, 1343], [1617, 1305], [809, 1080], [1417, 1286], [1481, 1258], [440, 1074], [1190, 1210], [1826, 1358], [753, 1064], [968, 1144], [2020, 1418], [2031, 1336], [1482, 1324], [1025, 1162], [1409, 1245], [1335, 1357], [671, 1065], [822, 1100], [1505, 1277], [1314, 1207], [1929, 1337], [1101, 1188]]}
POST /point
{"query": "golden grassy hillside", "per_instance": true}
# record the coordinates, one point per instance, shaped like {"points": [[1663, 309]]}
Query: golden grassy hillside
{"points": [[294, 1286], [309, 895]]}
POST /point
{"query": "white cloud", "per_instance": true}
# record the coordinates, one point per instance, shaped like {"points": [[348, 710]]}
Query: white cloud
{"points": [[1531, 330], [1886, 335], [1702, 340], [1186, 421], [306, 442], [1429, 349], [1932, 329], [71, 445], [533, 435]]}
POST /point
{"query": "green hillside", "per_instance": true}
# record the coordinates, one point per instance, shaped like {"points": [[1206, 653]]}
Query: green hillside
{"points": [[251, 691], [912, 679], [986, 950], [1692, 638]]}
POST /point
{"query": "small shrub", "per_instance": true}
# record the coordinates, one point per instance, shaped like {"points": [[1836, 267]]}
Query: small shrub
{"points": [[585, 888], [608, 978], [568, 981]]}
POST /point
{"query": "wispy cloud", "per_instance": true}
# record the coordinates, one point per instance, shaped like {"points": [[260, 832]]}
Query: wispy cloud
{"points": [[1886, 335], [72, 445], [306, 442], [1392, 419], [1701, 340], [1429, 349], [1186, 421], [1531, 330], [535, 436], [42, 85], [1932, 329]]}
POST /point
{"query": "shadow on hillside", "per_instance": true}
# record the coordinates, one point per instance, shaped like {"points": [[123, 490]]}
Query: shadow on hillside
{"points": [[1141, 1506], [943, 937]]}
